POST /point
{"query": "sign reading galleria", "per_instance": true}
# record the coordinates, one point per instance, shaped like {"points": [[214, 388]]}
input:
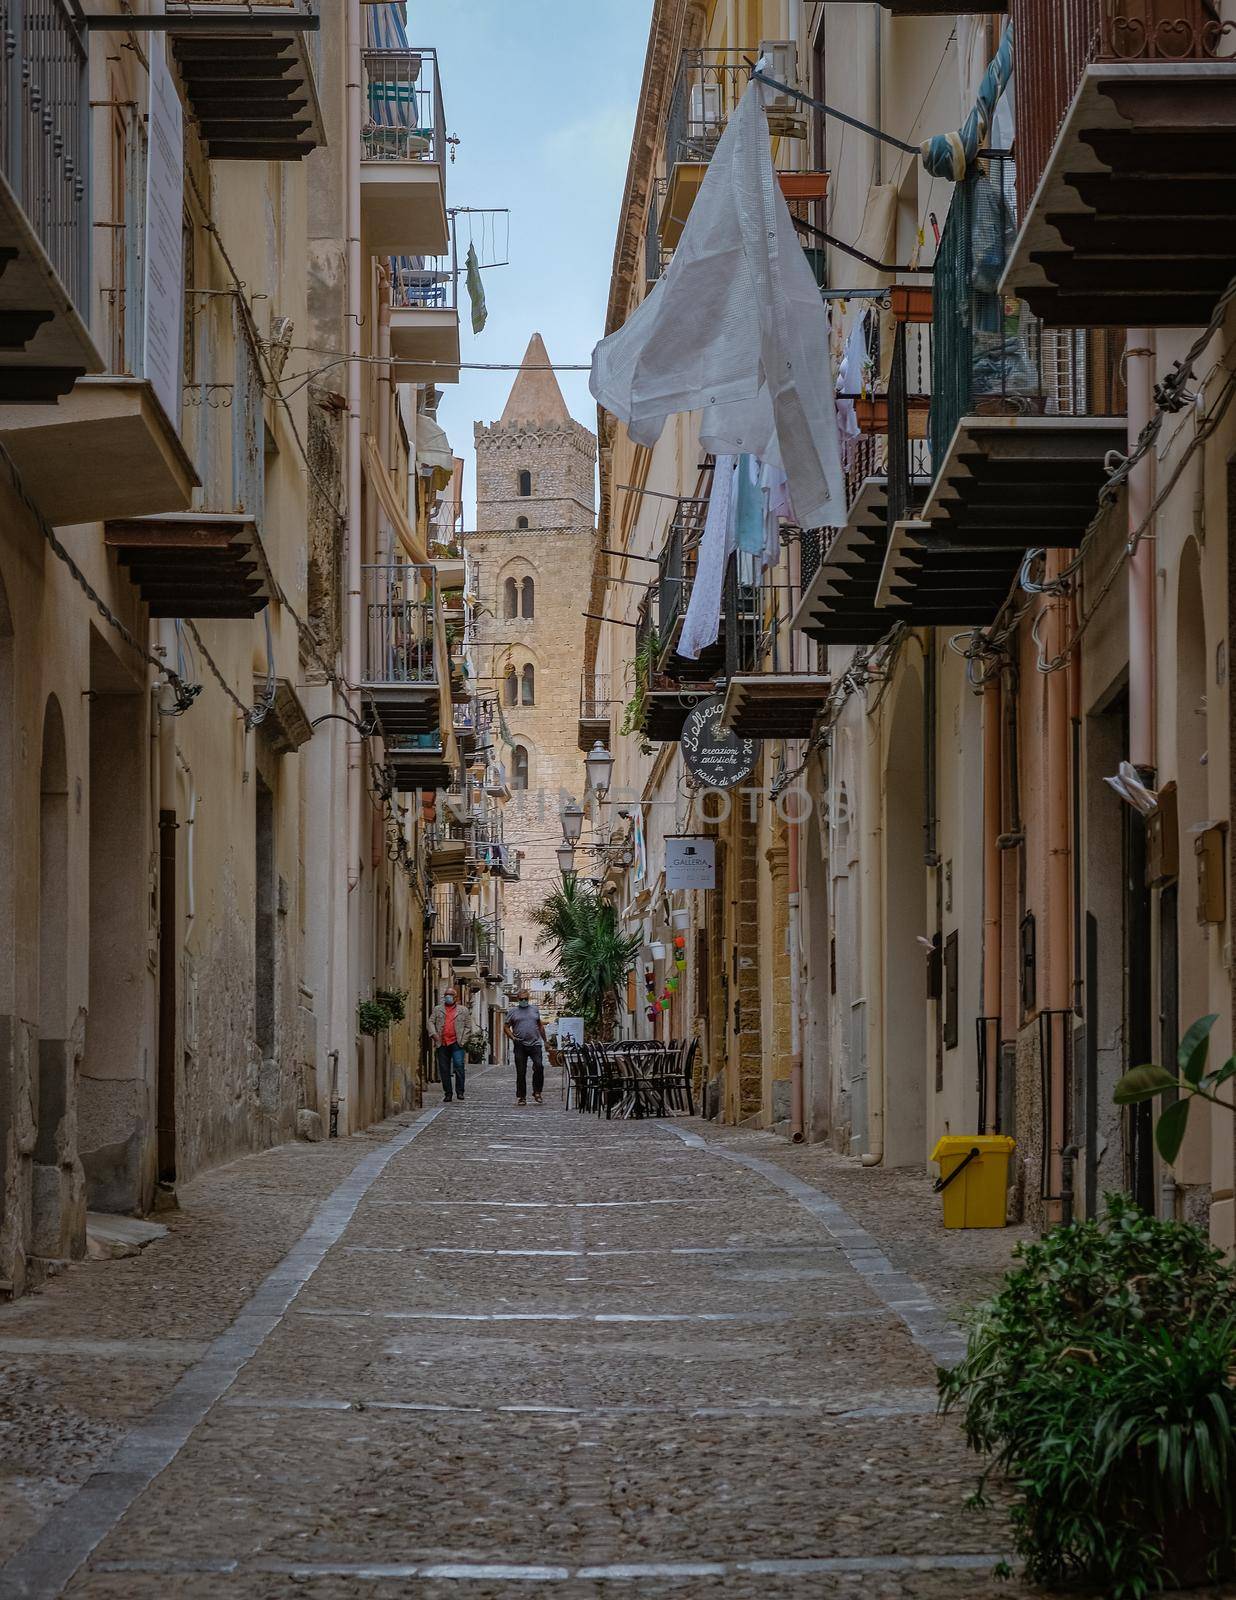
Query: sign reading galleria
{"points": [[713, 756], [690, 861]]}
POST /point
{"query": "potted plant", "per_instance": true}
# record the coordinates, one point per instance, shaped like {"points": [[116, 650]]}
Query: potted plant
{"points": [[372, 1017], [1099, 1382]]}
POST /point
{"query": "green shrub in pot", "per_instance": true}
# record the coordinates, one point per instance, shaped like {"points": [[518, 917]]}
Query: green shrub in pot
{"points": [[1099, 1382]]}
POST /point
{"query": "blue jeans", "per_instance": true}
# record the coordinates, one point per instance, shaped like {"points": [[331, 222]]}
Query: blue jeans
{"points": [[451, 1059]]}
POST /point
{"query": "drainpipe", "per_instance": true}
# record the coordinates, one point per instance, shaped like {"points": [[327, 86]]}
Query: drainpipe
{"points": [[993, 876], [190, 819], [1058, 896], [355, 308], [795, 942], [1139, 379], [384, 374]]}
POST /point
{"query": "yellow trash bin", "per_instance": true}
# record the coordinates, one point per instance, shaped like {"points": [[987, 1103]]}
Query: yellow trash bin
{"points": [[973, 1178]]}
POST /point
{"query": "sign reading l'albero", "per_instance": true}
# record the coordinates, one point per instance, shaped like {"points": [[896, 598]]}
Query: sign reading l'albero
{"points": [[715, 757]]}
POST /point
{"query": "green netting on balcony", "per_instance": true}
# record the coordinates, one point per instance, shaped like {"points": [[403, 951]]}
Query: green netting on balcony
{"points": [[985, 346]]}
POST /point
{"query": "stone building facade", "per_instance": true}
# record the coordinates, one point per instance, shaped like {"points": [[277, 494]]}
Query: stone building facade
{"points": [[535, 516]]}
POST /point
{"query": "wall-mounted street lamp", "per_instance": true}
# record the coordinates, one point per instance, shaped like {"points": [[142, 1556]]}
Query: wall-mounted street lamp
{"points": [[572, 816], [599, 765]]}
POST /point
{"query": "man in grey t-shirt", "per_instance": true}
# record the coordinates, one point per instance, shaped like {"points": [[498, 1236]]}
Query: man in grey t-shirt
{"points": [[524, 1026]]}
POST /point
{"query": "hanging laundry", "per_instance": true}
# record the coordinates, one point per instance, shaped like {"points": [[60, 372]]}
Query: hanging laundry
{"points": [[777, 508], [950, 155], [702, 623], [852, 379], [735, 328], [476, 291], [749, 500]]}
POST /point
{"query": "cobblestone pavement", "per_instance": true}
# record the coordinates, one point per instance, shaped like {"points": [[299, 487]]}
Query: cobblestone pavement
{"points": [[494, 1351]]}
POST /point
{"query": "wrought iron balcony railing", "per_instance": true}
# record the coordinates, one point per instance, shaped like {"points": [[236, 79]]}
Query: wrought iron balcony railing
{"points": [[404, 120], [400, 601], [991, 356], [45, 133], [1058, 39]]}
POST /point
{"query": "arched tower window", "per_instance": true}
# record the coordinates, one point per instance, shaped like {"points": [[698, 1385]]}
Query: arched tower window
{"points": [[529, 597], [521, 522], [525, 483], [510, 685], [529, 685], [519, 768], [510, 599]]}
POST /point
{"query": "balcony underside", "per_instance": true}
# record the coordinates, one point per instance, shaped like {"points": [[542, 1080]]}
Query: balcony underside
{"points": [[940, 8], [1007, 484], [666, 710], [418, 769], [127, 459], [253, 94], [404, 710], [194, 563], [403, 212], [1133, 223], [448, 861], [774, 705], [45, 346], [928, 583], [839, 604], [591, 729], [425, 349], [709, 664], [444, 949], [286, 725]]}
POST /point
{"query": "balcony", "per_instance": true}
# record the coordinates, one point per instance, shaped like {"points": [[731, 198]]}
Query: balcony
{"points": [[402, 684], [45, 244], [596, 706], [676, 567], [403, 155], [1023, 419], [418, 761], [449, 844], [1127, 148], [453, 936], [248, 70], [937, 8], [709, 85], [209, 561], [127, 457], [765, 698], [424, 320]]}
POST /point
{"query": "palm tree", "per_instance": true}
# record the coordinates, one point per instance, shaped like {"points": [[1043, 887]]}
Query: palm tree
{"points": [[594, 955]]}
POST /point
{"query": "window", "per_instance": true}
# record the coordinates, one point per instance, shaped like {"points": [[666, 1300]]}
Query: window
{"points": [[525, 483], [519, 768], [529, 685], [510, 599], [521, 522], [510, 687], [529, 595]]}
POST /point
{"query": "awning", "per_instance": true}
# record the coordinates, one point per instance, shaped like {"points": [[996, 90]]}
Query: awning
{"points": [[433, 450]]}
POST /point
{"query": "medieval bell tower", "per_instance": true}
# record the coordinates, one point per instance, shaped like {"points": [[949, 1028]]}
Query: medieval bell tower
{"points": [[533, 549]]}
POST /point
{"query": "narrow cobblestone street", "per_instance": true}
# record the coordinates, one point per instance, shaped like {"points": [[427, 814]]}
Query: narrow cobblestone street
{"points": [[490, 1351]]}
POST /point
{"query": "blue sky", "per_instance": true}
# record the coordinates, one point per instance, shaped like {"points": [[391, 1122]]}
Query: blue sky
{"points": [[542, 95]]}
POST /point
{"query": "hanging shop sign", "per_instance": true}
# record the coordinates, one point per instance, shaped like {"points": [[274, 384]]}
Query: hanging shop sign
{"points": [[690, 862], [715, 757]]}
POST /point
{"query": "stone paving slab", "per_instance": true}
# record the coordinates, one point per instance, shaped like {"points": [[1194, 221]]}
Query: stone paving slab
{"points": [[725, 1388]]}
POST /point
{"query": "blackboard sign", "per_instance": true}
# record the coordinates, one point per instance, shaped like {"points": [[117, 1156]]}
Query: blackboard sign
{"points": [[714, 757]]}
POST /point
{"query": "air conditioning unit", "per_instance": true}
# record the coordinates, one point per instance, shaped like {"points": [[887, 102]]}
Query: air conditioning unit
{"points": [[785, 114]]}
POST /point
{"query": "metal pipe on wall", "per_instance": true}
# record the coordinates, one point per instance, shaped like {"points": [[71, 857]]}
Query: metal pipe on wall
{"points": [[1056, 994], [355, 311], [1139, 379], [993, 877]]}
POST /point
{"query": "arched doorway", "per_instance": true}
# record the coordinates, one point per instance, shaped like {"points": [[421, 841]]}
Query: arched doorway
{"points": [[904, 995]]}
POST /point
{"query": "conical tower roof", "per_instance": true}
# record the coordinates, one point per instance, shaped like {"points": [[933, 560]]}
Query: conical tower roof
{"points": [[535, 395]]}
